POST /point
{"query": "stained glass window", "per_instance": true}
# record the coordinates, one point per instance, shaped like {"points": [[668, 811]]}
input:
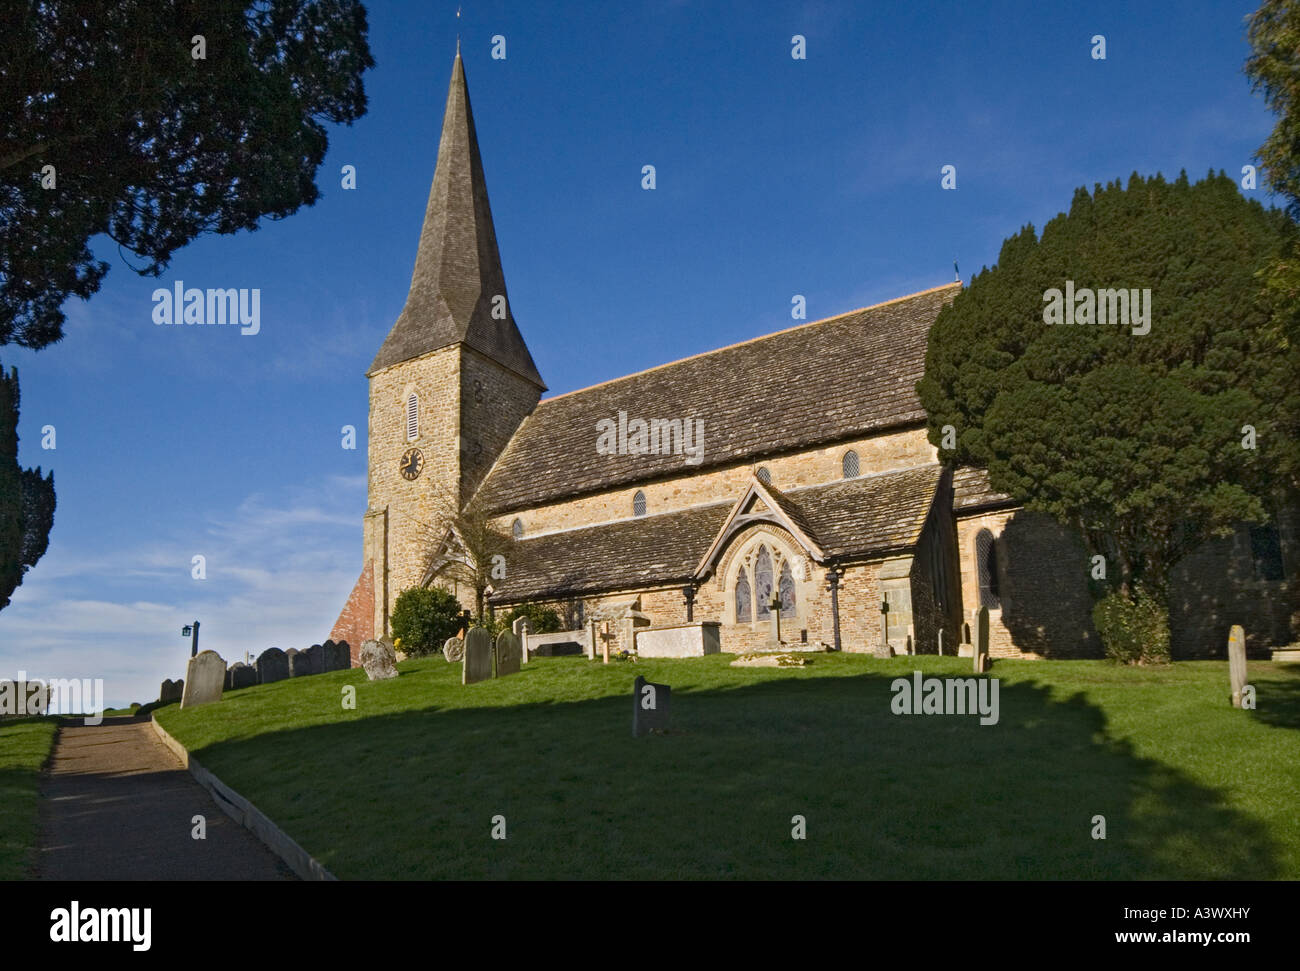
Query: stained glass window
{"points": [[787, 588], [743, 602], [763, 584]]}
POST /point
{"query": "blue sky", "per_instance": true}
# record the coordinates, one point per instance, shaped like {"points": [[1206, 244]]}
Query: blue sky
{"points": [[776, 177]]}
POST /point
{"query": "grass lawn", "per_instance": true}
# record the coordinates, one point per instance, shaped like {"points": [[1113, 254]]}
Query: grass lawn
{"points": [[406, 785], [25, 744]]}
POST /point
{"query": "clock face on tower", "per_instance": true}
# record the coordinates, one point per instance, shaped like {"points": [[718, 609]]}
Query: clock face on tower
{"points": [[412, 463]]}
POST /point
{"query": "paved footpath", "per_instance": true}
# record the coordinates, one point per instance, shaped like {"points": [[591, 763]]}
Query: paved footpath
{"points": [[117, 805]]}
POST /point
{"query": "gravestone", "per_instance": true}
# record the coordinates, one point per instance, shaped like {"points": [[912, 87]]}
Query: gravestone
{"points": [[299, 663], [478, 656], [315, 659], [521, 627], [941, 642], [981, 655], [272, 665], [240, 675], [882, 650], [171, 690], [508, 649], [205, 677], [338, 656], [1237, 662], [649, 707], [379, 659], [453, 649]]}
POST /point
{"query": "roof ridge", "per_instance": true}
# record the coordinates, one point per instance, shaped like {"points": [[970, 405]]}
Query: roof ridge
{"points": [[751, 340], [628, 519]]}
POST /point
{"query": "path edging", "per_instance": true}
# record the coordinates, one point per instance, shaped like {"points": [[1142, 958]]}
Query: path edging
{"points": [[246, 814]]}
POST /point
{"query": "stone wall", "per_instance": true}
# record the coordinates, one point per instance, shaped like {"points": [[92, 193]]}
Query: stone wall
{"points": [[879, 453], [493, 403], [401, 555], [355, 623]]}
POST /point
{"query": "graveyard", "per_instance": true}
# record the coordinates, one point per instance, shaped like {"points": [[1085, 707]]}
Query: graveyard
{"points": [[416, 780]]}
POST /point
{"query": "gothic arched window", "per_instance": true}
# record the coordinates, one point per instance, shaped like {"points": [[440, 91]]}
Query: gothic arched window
{"points": [[850, 464], [986, 567], [787, 589], [743, 600], [638, 504], [412, 418], [763, 584], [517, 529]]}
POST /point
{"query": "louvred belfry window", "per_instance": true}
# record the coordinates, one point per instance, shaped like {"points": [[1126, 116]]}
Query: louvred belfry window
{"points": [[412, 418]]}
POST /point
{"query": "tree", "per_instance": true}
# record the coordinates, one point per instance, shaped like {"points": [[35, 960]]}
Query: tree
{"points": [[26, 499], [423, 618], [1274, 69], [465, 547], [1136, 441], [111, 122]]}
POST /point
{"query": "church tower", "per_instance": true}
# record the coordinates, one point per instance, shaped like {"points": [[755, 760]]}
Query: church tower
{"points": [[453, 380]]}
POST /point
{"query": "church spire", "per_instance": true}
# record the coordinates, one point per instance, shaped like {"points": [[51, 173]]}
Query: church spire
{"points": [[458, 289]]}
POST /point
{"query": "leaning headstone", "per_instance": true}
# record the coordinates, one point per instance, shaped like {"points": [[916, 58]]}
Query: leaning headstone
{"points": [[453, 649], [205, 677], [982, 641], [478, 656], [508, 649], [171, 690], [379, 659], [649, 707], [272, 665], [1237, 662]]}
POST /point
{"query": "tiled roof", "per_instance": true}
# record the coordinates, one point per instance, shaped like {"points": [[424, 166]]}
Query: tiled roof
{"points": [[971, 491], [814, 384], [457, 266], [853, 518], [871, 514]]}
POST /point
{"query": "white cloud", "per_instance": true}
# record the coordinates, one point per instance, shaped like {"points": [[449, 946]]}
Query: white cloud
{"points": [[278, 574]]}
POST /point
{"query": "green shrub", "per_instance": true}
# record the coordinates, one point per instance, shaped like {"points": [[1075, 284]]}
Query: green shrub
{"points": [[423, 618], [1133, 631]]}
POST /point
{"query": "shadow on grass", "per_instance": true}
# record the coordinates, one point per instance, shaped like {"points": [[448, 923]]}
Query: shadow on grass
{"points": [[1277, 700], [413, 794]]}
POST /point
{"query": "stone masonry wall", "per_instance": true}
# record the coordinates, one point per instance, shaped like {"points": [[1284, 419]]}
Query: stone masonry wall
{"points": [[880, 453]]}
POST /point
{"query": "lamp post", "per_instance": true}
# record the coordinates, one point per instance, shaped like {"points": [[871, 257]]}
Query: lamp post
{"points": [[884, 622], [192, 632], [775, 607]]}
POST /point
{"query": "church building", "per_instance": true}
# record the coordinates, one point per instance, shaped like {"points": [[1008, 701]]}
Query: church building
{"points": [[786, 475]]}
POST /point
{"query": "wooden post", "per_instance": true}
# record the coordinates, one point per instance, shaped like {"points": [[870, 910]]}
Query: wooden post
{"points": [[1237, 662]]}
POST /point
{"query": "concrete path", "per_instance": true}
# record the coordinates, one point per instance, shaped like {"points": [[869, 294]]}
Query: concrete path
{"points": [[117, 805]]}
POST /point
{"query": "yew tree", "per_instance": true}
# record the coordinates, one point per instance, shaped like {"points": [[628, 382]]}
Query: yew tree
{"points": [[151, 122], [1146, 445]]}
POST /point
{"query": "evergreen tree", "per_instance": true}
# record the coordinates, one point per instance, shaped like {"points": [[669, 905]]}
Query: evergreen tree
{"points": [[26, 499], [1136, 441], [110, 123]]}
